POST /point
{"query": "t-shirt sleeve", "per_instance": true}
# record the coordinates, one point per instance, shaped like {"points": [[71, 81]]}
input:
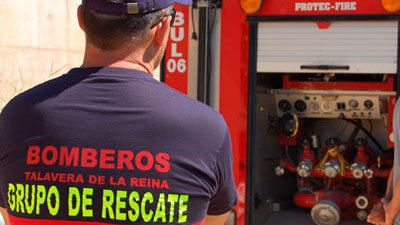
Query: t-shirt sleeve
{"points": [[225, 197], [2, 146], [2, 202]]}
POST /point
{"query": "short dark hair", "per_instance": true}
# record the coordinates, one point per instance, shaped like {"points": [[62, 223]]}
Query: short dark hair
{"points": [[109, 32]]}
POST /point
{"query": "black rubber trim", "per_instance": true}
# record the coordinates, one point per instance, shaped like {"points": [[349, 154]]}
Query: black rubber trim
{"points": [[252, 100]]}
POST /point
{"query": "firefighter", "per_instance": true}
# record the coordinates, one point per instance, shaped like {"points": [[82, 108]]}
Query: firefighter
{"points": [[386, 212], [108, 144]]}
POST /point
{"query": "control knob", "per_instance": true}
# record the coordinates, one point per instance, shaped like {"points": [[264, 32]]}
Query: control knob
{"points": [[358, 169], [284, 105], [368, 104], [314, 106], [326, 212], [304, 168], [326, 107], [369, 173], [331, 169], [362, 202], [300, 106], [353, 103]]}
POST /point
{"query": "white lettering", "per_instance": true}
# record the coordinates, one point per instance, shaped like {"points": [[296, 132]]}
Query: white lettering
{"points": [[338, 6], [353, 6], [181, 65], [346, 6], [303, 7], [179, 19], [171, 65], [181, 34], [327, 6], [309, 6], [324, 6], [174, 51], [177, 63], [297, 6]]}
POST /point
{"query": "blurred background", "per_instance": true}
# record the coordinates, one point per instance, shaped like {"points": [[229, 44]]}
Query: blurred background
{"points": [[41, 39]]}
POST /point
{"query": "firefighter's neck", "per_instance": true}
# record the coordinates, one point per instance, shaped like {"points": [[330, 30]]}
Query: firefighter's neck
{"points": [[137, 59]]}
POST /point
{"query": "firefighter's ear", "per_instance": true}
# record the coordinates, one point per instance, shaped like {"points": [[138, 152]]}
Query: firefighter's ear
{"points": [[80, 18], [162, 31]]}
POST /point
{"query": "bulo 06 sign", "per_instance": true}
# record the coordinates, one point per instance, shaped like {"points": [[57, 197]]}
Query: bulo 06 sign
{"points": [[176, 57]]}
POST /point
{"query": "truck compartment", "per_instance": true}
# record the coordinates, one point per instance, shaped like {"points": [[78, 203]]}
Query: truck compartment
{"points": [[276, 199]]}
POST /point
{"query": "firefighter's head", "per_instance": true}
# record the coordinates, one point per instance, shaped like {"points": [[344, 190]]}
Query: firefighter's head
{"points": [[140, 25]]}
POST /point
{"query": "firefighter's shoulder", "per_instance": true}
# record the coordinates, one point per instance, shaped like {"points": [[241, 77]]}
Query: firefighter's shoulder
{"points": [[191, 117]]}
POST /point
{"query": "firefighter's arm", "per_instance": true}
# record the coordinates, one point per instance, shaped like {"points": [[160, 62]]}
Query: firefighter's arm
{"points": [[216, 220], [392, 207], [225, 197], [389, 188], [4, 213], [377, 214]]}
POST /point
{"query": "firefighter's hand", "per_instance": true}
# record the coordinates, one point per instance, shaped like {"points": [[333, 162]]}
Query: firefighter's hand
{"points": [[390, 212], [377, 214]]}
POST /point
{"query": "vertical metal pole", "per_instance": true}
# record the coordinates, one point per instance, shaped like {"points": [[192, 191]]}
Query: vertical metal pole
{"points": [[203, 90], [252, 101]]}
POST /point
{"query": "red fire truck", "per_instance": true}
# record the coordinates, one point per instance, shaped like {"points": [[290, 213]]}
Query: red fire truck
{"points": [[307, 89]]}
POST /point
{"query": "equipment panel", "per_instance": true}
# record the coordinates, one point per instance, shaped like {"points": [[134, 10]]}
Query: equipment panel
{"points": [[332, 104]]}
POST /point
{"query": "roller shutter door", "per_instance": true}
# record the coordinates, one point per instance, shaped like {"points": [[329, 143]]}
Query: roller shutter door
{"points": [[345, 47]]}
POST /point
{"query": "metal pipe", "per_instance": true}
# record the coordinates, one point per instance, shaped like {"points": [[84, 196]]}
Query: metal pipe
{"points": [[203, 90]]}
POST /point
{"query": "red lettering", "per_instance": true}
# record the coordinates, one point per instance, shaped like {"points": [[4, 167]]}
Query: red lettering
{"points": [[101, 180], [70, 178], [89, 157], [164, 185], [142, 182], [27, 174], [66, 158], [134, 182], [33, 176], [49, 160], [155, 183], [125, 157], [46, 177], [79, 179], [95, 179], [62, 177], [120, 181], [33, 155], [145, 183], [107, 157], [148, 158], [162, 163], [54, 176], [92, 179]]}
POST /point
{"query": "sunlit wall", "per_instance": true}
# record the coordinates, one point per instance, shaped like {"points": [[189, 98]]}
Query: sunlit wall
{"points": [[39, 40]]}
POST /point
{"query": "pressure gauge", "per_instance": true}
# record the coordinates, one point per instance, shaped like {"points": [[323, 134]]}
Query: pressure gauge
{"points": [[284, 105], [300, 106], [326, 107], [314, 106], [353, 103], [368, 104]]}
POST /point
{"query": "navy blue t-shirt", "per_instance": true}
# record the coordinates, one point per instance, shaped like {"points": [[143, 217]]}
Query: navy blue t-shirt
{"points": [[112, 146]]}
